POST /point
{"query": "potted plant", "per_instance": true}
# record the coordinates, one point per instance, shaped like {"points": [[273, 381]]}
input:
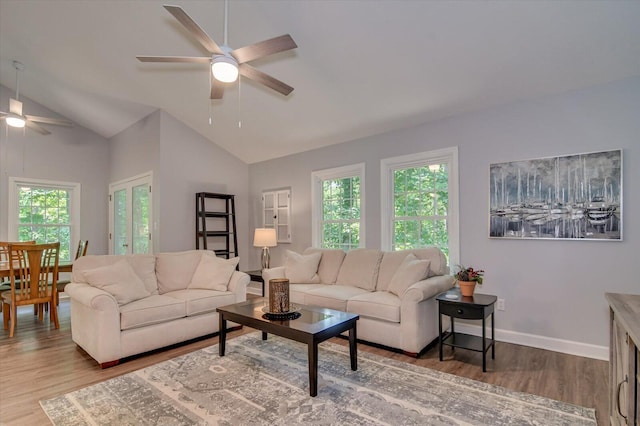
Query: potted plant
{"points": [[467, 279]]}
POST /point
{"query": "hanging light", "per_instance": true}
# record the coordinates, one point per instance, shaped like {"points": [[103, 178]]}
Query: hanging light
{"points": [[224, 68], [14, 120]]}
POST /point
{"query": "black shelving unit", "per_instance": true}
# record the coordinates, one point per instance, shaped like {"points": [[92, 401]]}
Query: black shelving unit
{"points": [[216, 221]]}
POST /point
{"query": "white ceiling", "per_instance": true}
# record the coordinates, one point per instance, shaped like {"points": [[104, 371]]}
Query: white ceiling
{"points": [[362, 67]]}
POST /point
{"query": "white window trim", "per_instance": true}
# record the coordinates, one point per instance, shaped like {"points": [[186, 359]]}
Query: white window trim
{"points": [[316, 192], [389, 165], [74, 187]]}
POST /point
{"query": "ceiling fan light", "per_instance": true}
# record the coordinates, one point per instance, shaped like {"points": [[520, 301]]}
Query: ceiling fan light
{"points": [[15, 120], [224, 69]]}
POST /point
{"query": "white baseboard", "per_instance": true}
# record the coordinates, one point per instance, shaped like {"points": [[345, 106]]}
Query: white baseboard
{"points": [[542, 342], [254, 290]]}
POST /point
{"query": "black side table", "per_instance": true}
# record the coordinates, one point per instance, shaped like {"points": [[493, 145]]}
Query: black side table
{"points": [[257, 277], [476, 307]]}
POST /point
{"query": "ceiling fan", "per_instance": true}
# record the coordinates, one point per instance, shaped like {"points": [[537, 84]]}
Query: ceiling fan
{"points": [[226, 63], [15, 118]]}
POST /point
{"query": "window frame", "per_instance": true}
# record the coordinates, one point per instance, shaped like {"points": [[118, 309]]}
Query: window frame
{"points": [[387, 168], [317, 177], [74, 209]]}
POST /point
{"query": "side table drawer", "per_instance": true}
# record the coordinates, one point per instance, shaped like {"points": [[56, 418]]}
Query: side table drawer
{"points": [[463, 312]]}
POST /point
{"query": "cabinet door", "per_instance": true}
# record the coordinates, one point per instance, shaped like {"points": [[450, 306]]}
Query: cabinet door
{"points": [[620, 380], [276, 213]]}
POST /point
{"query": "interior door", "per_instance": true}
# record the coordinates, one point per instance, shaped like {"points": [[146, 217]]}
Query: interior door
{"points": [[130, 216]]}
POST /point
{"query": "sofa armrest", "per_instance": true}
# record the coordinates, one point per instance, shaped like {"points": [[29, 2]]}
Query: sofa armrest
{"points": [[426, 289], [238, 285], [269, 274], [95, 322], [92, 297]]}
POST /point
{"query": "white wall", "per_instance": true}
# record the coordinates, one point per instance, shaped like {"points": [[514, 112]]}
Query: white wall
{"points": [[554, 290], [190, 163], [67, 154], [183, 162]]}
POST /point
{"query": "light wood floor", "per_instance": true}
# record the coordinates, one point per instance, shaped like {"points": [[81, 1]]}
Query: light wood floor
{"points": [[41, 362]]}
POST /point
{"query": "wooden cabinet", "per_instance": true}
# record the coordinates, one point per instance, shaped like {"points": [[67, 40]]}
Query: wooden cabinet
{"points": [[624, 359]]}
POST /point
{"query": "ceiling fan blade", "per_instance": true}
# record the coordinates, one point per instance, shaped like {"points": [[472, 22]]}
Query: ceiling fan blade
{"points": [[189, 59], [47, 120], [217, 90], [38, 128], [15, 106], [264, 48], [275, 84], [195, 30]]}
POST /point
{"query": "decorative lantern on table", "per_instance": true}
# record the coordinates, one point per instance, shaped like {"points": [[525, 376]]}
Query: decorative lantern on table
{"points": [[279, 296]]}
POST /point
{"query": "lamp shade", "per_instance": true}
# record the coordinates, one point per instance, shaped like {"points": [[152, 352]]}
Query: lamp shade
{"points": [[264, 237]]}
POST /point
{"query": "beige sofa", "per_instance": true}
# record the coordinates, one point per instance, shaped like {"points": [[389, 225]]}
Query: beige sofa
{"points": [[127, 305], [393, 292]]}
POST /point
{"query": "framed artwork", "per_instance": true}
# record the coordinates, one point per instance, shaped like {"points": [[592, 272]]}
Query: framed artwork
{"points": [[573, 197]]}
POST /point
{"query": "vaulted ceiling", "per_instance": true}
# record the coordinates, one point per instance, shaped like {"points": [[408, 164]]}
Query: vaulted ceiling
{"points": [[361, 68]]}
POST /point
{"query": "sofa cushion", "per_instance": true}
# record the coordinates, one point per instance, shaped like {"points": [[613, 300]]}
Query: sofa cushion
{"points": [[376, 304], [411, 271], [391, 262], [302, 268], [329, 265], [202, 301], [332, 296], [360, 269], [298, 292], [151, 310], [213, 272], [144, 265], [119, 280], [175, 270]]}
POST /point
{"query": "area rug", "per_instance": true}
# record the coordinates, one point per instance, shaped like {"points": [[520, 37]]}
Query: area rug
{"points": [[267, 383]]}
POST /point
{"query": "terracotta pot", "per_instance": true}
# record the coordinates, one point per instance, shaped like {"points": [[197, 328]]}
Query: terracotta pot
{"points": [[467, 287]]}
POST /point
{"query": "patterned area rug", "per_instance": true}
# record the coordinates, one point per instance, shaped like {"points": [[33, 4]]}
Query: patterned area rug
{"points": [[266, 383]]}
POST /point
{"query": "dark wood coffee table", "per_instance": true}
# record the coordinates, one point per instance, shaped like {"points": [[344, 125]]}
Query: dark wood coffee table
{"points": [[314, 326]]}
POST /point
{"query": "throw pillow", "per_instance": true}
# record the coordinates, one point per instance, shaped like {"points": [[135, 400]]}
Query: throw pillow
{"points": [[213, 272], [302, 268], [119, 280], [411, 271]]}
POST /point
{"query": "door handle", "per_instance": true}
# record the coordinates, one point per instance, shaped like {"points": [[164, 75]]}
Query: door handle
{"points": [[626, 379]]}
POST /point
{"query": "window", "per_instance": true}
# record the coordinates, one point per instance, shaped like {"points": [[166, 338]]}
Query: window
{"points": [[420, 202], [46, 212], [338, 207], [276, 213]]}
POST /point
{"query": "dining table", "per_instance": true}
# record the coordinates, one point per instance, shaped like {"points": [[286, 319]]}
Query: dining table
{"points": [[5, 271]]}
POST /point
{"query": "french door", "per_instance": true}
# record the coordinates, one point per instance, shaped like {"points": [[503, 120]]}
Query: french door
{"points": [[130, 214]]}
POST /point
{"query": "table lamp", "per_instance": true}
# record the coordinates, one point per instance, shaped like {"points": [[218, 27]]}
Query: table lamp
{"points": [[265, 238]]}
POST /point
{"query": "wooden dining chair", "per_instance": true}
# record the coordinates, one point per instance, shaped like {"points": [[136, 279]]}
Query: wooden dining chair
{"points": [[5, 283], [81, 251], [33, 267]]}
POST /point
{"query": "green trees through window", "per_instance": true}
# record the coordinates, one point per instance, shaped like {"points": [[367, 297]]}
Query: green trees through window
{"points": [[420, 207], [341, 213], [44, 215]]}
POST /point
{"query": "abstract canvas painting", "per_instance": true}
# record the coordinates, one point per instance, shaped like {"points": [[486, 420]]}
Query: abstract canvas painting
{"points": [[570, 197]]}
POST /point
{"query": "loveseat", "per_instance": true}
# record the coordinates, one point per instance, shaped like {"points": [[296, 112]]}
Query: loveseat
{"points": [[393, 292], [130, 304]]}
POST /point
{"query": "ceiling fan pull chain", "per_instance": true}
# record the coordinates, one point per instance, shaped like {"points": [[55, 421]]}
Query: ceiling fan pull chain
{"points": [[226, 6], [239, 97]]}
